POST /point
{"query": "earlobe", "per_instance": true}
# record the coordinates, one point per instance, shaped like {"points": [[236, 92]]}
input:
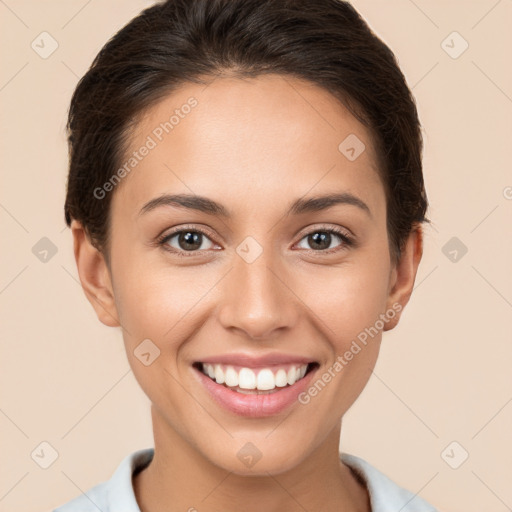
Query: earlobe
{"points": [[94, 276], [403, 275]]}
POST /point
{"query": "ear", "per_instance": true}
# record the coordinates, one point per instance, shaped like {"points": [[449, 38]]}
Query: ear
{"points": [[94, 276], [403, 275]]}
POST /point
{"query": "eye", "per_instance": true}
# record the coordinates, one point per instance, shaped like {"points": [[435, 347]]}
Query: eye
{"points": [[191, 241], [186, 241], [320, 240]]}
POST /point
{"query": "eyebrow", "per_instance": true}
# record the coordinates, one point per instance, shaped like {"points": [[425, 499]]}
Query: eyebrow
{"points": [[208, 206]]}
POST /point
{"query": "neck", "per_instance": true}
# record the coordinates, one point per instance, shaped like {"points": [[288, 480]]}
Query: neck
{"points": [[183, 479]]}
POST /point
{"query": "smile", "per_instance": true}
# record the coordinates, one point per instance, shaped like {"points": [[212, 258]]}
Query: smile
{"points": [[253, 389], [254, 381]]}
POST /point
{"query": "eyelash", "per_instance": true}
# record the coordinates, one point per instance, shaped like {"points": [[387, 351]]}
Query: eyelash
{"points": [[162, 240]]}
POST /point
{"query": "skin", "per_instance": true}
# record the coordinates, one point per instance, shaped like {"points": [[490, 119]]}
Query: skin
{"points": [[254, 145]]}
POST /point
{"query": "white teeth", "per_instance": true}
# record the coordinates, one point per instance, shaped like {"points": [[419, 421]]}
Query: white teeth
{"points": [[231, 377], [247, 379], [291, 376], [266, 380], [281, 380], [219, 374]]}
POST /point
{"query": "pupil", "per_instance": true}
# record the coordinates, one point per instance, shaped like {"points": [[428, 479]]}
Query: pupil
{"points": [[190, 240], [322, 240]]}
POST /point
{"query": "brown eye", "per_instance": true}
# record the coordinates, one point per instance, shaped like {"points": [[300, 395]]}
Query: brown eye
{"points": [[322, 239], [186, 240]]}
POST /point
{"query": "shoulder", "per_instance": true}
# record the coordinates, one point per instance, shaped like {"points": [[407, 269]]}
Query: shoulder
{"points": [[91, 501], [383, 491], [118, 491]]}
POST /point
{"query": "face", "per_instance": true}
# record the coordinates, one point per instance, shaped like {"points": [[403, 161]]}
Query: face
{"points": [[261, 286]]}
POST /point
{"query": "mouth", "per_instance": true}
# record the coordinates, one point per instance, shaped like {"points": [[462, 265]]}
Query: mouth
{"points": [[263, 380], [255, 392]]}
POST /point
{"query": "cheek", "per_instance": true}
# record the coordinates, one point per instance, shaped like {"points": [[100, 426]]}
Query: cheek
{"points": [[348, 299], [350, 309], [154, 299], [158, 301]]}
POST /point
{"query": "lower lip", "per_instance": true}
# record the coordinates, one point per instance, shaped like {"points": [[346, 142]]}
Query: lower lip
{"points": [[255, 406]]}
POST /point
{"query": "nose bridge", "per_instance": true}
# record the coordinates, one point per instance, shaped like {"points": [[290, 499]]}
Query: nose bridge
{"points": [[256, 300]]}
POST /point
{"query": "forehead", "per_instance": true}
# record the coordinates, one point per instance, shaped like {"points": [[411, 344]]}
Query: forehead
{"points": [[248, 142]]}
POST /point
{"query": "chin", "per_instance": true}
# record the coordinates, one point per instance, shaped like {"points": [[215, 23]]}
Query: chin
{"points": [[257, 459]]}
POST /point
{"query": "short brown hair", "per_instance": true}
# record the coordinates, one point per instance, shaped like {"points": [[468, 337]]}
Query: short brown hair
{"points": [[325, 42]]}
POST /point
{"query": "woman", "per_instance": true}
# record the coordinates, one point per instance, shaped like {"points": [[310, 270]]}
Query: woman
{"points": [[246, 198]]}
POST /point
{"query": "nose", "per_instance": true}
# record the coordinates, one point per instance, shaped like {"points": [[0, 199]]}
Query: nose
{"points": [[258, 299]]}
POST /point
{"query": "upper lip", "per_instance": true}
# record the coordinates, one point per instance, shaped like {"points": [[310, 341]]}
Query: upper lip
{"points": [[252, 360]]}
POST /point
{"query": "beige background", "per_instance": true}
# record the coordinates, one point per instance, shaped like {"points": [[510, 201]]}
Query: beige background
{"points": [[443, 374]]}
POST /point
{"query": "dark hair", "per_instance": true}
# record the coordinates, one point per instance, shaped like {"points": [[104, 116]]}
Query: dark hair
{"points": [[324, 41]]}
